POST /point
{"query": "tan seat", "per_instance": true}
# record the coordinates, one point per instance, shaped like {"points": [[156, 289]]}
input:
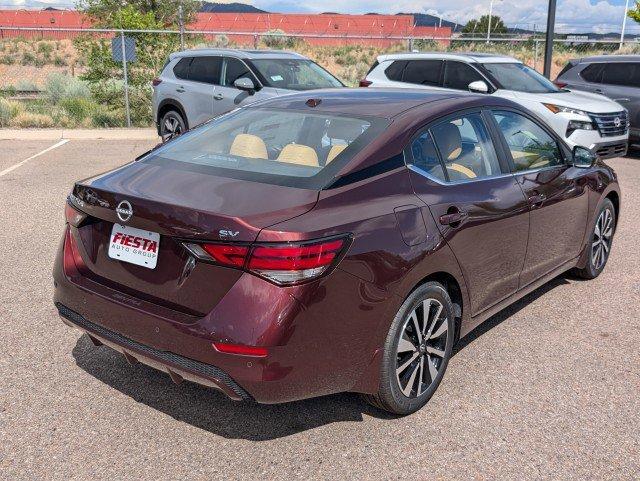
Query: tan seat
{"points": [[299, 154], [462, 170], [250, 146], [335, 151]]}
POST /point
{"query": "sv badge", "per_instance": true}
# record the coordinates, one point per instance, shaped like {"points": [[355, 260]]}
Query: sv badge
{"points": [[228, 233]]}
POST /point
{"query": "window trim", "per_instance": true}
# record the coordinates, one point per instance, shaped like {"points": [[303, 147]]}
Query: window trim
{"points": [[564, 151], [189, 79], [505, 168]]}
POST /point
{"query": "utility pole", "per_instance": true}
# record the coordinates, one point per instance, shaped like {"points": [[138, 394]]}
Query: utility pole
{"points": [[181, 24], [624, 23], [489, 26], [548, 47]]}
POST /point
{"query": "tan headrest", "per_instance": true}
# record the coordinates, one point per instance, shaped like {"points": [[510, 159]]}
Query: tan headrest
{"points": [[335, 151], [251, 146], [449, 140], [299, 154]]}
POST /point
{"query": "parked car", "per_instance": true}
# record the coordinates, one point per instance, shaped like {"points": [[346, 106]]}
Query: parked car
{"points": [[580, 118], [330, 241], [197, 85], [616, 76]]}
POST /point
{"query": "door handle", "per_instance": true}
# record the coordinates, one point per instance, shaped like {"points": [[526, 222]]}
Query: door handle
{"points": [[453, 218], [598, 91], [180, 89], [218, 96], [537, 199]]}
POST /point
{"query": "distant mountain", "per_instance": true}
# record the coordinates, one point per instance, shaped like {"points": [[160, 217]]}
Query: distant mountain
{"points": [[426, 20], [229, 8]]}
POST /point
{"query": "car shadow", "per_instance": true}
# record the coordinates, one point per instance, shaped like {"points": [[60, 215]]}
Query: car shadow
{"points": [[212, 411]]}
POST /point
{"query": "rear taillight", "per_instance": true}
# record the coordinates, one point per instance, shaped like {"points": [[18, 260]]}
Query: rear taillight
{"points": [[282, 264], [365, 83], [559, 84], [73, 216], [156, 81], [240, 349]]}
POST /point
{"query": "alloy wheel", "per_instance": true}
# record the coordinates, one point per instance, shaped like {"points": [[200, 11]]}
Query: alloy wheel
{"points": [[421, 348], [171, 127], [601, 243]]}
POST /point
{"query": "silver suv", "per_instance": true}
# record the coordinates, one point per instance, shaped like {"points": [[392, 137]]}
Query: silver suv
{"points": [[197, 85]]}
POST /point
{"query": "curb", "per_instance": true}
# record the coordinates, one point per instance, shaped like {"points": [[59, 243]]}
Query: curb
{"points": [[79, 134]]}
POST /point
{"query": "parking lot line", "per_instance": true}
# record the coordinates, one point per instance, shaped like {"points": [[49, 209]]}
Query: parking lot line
{"points": [[22, 162]]}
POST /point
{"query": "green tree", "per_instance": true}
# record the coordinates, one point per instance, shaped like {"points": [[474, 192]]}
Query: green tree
{"points": [[105, 76], [634, 12], [481, 25]]}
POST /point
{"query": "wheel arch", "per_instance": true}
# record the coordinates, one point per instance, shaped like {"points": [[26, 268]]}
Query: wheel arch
{"points": [[171, 104]]}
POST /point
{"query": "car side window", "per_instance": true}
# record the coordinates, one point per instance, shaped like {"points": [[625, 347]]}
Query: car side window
{"points": [[423, 72], [425, 156], [205, 70], [624, 74], [458, 75], [463, 150], [395, 70], [236, 69], [181, 69], [530, 145], [593, 73]]}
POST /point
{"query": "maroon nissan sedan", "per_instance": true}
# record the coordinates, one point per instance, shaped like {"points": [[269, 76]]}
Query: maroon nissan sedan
{"points": [[330, 241]]}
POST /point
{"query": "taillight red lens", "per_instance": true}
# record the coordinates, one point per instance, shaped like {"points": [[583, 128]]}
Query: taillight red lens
{"points": [[560, 84], [240, 349], [156, 81], [227, 254], [365, 83], [285, 264], [73, 216]]}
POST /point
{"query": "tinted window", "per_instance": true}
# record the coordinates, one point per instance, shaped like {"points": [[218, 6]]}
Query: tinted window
{"points": [[205, 69], [625, 74], [235, 70], [565, 69], [593, 73], [466, 149], [425, 156], [395, 70], [423, 72], [531, 146], [519, 77], [294, 74], [286, 147], [181, 69], [458, 75]]}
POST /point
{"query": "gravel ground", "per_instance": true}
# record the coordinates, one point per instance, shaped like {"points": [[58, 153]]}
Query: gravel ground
{"points": [[548, 389]]}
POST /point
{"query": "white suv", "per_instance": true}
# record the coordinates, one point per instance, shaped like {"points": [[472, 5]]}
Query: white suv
{"points": [[581, 118]]}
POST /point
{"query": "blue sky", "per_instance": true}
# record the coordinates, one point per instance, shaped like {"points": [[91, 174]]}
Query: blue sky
{"points": [[572, 15]]}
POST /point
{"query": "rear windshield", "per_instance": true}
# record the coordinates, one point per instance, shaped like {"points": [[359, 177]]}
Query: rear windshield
{"points": [[519, 77], [294, 74], [285, 147]]}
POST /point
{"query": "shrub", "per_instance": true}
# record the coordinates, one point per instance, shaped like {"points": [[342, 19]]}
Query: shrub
{"points": [[7, 60], [60, 86], [103, 117], [5, 113], [78, 108], [58, 61], [28, 58], [24, 84], [28, 119], [277, 39]]}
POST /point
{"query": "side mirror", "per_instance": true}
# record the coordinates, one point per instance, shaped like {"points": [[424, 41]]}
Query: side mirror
{"points": [[245, 84], [479, 87], [583, 157]]}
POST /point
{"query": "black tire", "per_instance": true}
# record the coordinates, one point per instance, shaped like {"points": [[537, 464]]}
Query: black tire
{"points": [[400, 390], [600, 242], [172, 124]]}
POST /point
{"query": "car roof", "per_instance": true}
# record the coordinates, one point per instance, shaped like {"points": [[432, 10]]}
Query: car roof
{"points": [[369, 102], [240, 53], [469, 57], [609, 58]]}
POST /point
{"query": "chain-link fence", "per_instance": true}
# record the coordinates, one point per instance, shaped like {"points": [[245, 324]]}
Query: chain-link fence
{"points": [[103, 77]]}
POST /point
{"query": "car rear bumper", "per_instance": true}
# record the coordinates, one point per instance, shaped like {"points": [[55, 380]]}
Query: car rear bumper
{"points": [[178, 367]]}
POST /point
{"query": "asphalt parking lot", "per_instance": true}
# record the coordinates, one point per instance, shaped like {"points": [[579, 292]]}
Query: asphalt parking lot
{"points": [[548, 389]]}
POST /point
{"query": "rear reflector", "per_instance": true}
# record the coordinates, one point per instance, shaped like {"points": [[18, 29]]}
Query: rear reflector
{"points": [[365, 83], [156, 81], [240, 350], [283, 264]]}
